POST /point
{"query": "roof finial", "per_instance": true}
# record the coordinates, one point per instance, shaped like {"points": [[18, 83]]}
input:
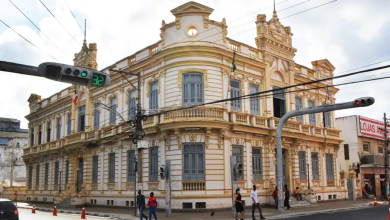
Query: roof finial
{"points": [[85, 31], [274, 6], [274, 16]]}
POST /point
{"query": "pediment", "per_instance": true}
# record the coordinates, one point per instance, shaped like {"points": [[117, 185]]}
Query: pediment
{"points": [[324, 64], [191, 8]]}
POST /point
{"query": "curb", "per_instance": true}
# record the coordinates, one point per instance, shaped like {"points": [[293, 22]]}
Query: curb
{"points": [[69, 212]]}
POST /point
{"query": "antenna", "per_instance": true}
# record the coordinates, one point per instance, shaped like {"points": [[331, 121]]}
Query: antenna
{"points": [[274, 5], [85, 30]]}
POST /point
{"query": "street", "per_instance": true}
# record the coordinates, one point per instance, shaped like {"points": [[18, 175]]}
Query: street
{"points": [[380, 212], [25, 214]]}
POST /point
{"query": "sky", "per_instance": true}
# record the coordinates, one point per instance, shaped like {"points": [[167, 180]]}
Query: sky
{"points": [[349, 33]]}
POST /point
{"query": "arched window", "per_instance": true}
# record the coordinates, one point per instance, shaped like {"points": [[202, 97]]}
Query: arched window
{"points": [[192, 88]]}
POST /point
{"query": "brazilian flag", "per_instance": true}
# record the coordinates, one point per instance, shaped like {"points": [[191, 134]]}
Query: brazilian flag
{"points": [[234, 67]]}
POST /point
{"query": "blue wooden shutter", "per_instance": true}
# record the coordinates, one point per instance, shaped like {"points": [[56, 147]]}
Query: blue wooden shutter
{"points": [[298, 105], [312, 117], [327, 119], [132, 104], [81, 122], [302, 165], [257, 166], [153, 95], [314, 166], [329, 167], [153, 165], [130, 166], [235, 91], [255, 100], [237, 151], [96, 116], [111, 168], [95, 167], [193, 156]]}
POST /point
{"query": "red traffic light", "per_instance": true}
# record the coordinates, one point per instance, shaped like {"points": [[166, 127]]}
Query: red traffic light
{"points": [[357, 102]]}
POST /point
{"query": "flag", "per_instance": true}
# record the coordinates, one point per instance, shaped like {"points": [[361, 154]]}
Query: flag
{"points": [[234, 67], [75, 97]]}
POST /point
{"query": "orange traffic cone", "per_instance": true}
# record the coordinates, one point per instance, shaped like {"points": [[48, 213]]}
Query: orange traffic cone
{"points": [[33, 210], [55, 211], [375, 203], [83, 214]]}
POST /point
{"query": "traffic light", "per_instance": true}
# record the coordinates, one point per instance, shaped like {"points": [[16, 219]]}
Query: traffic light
{"points": [[75, 75], [238, 170], [362, 102], [163, 172]]}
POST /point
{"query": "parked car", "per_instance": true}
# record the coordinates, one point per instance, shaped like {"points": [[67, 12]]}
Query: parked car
{"points": [[8, 210]]}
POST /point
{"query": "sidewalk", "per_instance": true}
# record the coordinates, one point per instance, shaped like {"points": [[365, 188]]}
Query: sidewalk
{"points": [[269, 213]]}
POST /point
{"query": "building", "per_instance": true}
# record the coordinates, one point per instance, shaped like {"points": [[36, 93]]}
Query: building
{"points": [[363, 148], [12, 142], [190, 65]]}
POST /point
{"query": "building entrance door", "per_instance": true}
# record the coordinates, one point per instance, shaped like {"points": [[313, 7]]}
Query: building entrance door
{"points": [[80, 176]]}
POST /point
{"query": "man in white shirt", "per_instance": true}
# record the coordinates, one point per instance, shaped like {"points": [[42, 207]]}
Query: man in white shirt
{"points": [[255, 203]]}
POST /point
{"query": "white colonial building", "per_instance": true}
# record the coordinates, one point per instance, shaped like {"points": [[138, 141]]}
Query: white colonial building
{"points": [[86, 151]]}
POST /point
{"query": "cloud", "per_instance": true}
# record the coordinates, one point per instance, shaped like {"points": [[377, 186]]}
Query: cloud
{"points": [[349, 33]]}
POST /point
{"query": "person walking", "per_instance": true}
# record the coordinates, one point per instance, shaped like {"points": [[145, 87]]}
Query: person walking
{"points": [[152, 203], [16, 198], [141, 205], [239, 205], [286, 197], [275, 196], [255, 203]]}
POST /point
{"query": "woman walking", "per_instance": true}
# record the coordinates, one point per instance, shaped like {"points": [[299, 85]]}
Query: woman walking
{"points": [[152, 203], [239, 206]]}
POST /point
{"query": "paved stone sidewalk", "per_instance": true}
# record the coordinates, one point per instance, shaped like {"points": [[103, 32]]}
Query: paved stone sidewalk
{"points": [[269, 213]]}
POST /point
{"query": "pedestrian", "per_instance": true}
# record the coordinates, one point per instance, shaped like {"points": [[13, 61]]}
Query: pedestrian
{"points": [[141, 205], [16, 198], [297, 194], [239, 205], [275, 196], [255, 203], [152, 204], [286, 197]]}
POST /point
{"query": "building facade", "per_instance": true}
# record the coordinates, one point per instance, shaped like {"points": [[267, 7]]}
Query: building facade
{"points": [[86, 151], [362, 151], [12, 142]]}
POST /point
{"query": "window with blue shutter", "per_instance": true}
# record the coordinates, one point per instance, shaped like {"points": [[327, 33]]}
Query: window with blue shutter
{"points": [[298, 105], [111, 167], [255, 100], [237, 151], [46, 174], [153, 96], [193, 157], [329, 167], [95, 169], [130, 166], [314, 166], [37, 174], [56, 172], [69, 128], [66, 171], [58, 128], [235, 91], [132, 104], [40, 135], [327, 120], [30, 175], [257, 165], [113, 111], [302, 165], [153, 165], [192, 89], [279, 102], [81, 122], [312, 117], [48, 131], [96, 116]]}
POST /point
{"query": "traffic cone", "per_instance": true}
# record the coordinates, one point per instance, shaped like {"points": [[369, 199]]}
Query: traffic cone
{"points": [[55, 211], [33, 210], [375, 203], [83, 214]]}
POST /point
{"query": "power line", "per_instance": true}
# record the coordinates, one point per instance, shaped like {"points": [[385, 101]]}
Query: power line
{"points": [[29, 41], [59, 23], [74, 16], [36, 26]]}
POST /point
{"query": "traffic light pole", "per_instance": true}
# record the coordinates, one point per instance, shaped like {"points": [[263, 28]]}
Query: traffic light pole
{"points": [[362, 102], [168, 190], [233, 161]]}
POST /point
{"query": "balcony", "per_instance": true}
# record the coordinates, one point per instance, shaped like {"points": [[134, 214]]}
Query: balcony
{"points": [[194, 114]]}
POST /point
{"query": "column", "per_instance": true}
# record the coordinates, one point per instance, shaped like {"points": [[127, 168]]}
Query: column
{"points": [[268, 100], [101, 169]]}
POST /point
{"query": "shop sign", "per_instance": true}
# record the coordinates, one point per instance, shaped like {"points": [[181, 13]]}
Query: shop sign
{"points": [[371, 128]]}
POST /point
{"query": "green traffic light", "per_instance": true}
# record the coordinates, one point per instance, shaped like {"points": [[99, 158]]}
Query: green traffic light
{"points": [[84, 74]]}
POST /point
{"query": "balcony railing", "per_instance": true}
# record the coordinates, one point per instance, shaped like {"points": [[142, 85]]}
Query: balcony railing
{"points": [[194, 186], [212, 114]]}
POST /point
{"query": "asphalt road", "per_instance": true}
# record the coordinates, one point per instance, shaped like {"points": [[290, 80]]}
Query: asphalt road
{"points": [[25, 214], [375, 213]]}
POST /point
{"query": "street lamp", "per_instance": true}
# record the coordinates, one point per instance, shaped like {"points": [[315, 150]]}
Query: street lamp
{"points": [[308, 176]]}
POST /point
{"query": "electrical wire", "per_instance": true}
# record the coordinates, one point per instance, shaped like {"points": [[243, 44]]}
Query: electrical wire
{"points": [[36, 26], [29, 41], [74, 16]]}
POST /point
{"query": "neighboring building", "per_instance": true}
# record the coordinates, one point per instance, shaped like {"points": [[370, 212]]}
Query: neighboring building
{"points": [[190, 65], [12, 142], [363, 144]]}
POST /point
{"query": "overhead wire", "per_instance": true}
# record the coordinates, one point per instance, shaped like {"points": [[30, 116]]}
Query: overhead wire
{"points": [[36, 26], [74, 16], [29, 41]]}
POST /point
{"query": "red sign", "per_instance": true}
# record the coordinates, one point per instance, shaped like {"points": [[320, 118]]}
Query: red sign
{"points": [[372, 128]]}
